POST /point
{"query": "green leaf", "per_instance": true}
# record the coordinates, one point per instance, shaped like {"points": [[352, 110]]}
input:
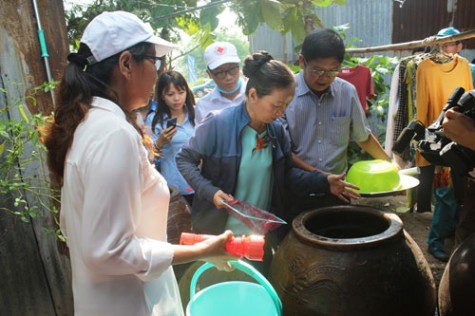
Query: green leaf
{"points": [[34, 137], [322, 3], [22, 113], [339, 2], [290, 16], [251, 24], [2, 148], [206, 39], [210, 16], [297, 29], [272, 13], [187, 24]]}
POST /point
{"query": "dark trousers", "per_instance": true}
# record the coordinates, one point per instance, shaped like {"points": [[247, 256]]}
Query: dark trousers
{"points": [[424, 190]]}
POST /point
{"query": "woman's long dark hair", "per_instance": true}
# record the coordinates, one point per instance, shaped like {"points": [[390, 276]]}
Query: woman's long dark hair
{"points": [[163, 83], [80, 83]]}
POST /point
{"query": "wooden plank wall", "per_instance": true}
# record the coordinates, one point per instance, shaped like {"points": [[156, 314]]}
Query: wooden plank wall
{"points": [[416, 20], [35, 277]]}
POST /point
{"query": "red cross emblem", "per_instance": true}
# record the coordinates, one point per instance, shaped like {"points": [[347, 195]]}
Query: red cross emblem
{"points": [[220, 50]]}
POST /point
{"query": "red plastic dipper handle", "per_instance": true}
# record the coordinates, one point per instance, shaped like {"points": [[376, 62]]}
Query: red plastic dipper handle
{"points": [[251, 247]]}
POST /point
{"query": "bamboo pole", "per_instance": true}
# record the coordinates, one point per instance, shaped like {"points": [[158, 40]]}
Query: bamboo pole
{"points": [[429, 41]]}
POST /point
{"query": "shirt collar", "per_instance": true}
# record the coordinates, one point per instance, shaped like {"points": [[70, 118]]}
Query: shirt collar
{"points": [[107, 105], [303, 89]]}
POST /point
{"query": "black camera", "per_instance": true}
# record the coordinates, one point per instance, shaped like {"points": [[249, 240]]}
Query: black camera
{"points": [[433, 144]]}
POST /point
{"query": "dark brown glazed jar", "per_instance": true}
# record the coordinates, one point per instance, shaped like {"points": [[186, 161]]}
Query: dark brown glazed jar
{"points": [[179, 216], [457, 286], [351, 261]]}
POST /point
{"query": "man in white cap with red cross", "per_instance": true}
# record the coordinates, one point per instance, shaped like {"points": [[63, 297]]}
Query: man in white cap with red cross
{"points": [[222, 65]]}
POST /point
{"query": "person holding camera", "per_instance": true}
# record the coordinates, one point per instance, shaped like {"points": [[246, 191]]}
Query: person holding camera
{"points": [[436, 79], [461, 129], [172, 124]]}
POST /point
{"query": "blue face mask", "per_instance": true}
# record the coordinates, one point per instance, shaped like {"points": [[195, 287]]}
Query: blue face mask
{"points": [[236, 88]]}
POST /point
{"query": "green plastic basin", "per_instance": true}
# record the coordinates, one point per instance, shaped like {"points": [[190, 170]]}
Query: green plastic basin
{"points": [[374, 176]]}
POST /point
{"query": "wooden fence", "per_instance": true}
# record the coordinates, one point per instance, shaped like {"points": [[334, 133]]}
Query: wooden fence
{"points": [[35, 277]]}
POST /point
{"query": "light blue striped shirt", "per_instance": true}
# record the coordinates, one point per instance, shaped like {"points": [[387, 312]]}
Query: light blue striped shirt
{"points": [[321, 128]]}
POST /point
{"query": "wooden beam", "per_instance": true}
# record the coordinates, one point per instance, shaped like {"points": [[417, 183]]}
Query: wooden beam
{"points": [[429, 41]]}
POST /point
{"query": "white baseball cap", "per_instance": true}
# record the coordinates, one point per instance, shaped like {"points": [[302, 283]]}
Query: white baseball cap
{"points": [[110, 33], [220, 53]]}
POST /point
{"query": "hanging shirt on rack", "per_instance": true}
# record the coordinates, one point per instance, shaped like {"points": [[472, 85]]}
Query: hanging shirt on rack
{"points": [[392, 110], [360, 77], [435, 82], [401, 116]]}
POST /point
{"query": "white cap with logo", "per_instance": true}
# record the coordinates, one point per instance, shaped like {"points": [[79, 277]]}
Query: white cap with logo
{"points": [[110, 33], [220, 53]]}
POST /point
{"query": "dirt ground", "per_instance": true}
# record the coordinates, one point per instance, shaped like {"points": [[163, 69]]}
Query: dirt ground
{"points": [[416, 224]]}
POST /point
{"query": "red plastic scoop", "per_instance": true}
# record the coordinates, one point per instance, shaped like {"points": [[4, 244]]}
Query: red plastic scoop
{"points": [[251, 247]]}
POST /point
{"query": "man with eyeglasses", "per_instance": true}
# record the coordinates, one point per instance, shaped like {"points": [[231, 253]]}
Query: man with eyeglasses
{"points": [[451, 47], [325, 114], [222, 65]]}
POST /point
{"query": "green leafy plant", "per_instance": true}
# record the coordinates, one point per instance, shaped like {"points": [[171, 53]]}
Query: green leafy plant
{"points": [[23, 177]]}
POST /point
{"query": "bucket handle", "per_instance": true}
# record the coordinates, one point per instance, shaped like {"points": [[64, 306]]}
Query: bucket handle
{"points": [[249, 270]]}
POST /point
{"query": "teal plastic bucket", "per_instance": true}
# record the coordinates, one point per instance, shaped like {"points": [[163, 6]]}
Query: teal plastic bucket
{"points": [[234, 298]]}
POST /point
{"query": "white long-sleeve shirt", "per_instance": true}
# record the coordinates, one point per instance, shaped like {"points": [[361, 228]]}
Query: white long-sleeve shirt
{"points": [[114, 207]]}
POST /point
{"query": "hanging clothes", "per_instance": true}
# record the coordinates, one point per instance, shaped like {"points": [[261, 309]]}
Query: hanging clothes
{"points": [[435, 82], [400, 117], [392, 111], [436, 79], [360, 77]]}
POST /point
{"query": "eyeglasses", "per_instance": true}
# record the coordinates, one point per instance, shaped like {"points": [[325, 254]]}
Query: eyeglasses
{"points": [[223, 73], [320, 72], [157, 61], [450, 44]]}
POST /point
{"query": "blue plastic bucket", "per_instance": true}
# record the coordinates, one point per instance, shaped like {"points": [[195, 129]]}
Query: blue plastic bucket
{"points": [[234, 298]]}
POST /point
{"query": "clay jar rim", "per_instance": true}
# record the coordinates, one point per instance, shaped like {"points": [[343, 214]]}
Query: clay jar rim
{"points": [[393, 232]]}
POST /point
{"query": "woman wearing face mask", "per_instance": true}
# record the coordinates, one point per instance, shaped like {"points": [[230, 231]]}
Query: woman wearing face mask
{"points": [[172, 124], [114, 203]]}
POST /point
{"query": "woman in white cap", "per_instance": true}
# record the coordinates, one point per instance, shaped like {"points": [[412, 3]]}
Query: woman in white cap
{"points": [[114, 203]]}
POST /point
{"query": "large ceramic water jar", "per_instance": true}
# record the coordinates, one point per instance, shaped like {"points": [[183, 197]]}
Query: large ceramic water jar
{"points": [[351, 261], [457, 286]]}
